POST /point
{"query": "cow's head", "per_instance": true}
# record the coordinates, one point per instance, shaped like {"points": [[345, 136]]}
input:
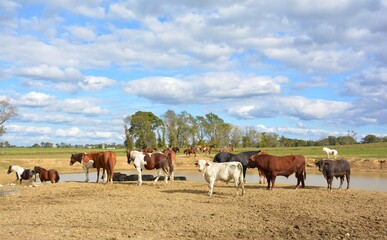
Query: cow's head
{"points": [[320, 164], [202, 164]]}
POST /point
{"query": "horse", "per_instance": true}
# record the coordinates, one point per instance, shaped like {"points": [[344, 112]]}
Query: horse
{"points": [[104, 160], [190, 151], [77, 157], [230, 149], [330, 152], [51, 175], [150, 161], [171, 156], [21, 173], [149, 150], [175, 149], [242, 157], [206, 149]]}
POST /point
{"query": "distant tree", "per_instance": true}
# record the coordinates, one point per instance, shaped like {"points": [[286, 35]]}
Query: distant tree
{"points": [[370, 138], [142, 127], [7, 111]]}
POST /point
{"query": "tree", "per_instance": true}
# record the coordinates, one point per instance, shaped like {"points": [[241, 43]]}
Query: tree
{"points": [[370, 138], [7, 111], [142, 128]]}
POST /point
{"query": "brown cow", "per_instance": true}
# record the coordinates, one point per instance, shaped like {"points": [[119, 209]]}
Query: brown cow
{"points": [[273, 166]]}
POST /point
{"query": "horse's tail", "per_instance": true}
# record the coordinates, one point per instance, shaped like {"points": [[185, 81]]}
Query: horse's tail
{"points": [[57, 176]]}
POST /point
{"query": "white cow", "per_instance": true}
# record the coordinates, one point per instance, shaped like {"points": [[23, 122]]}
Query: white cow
{"points": [[221, 171]]}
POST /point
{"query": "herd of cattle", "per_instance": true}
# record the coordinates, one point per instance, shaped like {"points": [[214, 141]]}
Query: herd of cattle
{"points": [[225, 166]]}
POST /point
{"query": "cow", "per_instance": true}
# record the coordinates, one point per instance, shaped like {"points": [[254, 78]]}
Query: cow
{"points": [[273, 166], [221, 172], [335, 168]]}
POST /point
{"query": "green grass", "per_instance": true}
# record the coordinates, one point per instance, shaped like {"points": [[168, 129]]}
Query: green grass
{"points": [[361, 151]]}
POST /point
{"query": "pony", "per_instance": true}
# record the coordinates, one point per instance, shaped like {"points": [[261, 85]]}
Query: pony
{"points": [[51, 175], [104, 160], [171, 156], [21, 173], [149, 150], [230, 149], [77, 157], [190, 151], [330, 152], [206, 149], [150, 161]]}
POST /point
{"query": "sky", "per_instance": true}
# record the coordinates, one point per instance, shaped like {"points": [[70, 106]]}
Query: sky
{"points": [[301, 69]]}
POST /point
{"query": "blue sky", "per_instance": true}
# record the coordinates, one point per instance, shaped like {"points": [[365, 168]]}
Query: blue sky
{"points": [[302, 69]]}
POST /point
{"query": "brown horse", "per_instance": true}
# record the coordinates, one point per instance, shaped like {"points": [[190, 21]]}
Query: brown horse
{"points": [[230, 149], [149, 150], [151, 161], [77, 157], [171, 157], [190, 151], [51, 175], [206, 149], [104, 160]]}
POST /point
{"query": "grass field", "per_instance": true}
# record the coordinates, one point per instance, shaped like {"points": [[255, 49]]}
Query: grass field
{"points": [[361, 151]]}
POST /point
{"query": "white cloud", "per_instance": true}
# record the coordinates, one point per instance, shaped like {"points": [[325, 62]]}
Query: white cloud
{"points": [[93, 83], [14, 128], [287, 106], [81, 33], [50, 73], [212, 87], [34, 99], [81, 106]]}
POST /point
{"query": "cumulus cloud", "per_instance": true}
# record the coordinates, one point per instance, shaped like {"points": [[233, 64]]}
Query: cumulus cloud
{"points": [[288, 106], [34, 99], [93, 83], [50, 73], [202, 89]]}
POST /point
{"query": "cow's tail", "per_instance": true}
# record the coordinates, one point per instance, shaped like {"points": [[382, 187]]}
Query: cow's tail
{"points": [[241, 180], [304, 174]]}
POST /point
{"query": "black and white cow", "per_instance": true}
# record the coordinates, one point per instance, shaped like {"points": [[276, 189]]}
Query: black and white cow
{"points": [[335, 168]]}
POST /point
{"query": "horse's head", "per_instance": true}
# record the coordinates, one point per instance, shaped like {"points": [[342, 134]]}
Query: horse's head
{"points": [[37, 169], [128, 156], [75, 158], [9, 169]]}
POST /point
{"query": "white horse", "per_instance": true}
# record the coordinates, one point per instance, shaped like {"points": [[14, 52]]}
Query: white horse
{"points": [[22, 174], [330, 152]]}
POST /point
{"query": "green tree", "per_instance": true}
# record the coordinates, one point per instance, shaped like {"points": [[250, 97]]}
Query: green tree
{"points": [[370, 138], [142, 127]]}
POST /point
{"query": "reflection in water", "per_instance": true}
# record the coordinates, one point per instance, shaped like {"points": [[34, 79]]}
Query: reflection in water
{"points": [[366, 181]]}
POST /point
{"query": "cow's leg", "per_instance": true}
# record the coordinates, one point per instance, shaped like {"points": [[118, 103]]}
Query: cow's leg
{"points": [[341, 182], [166, 176], [244, 173], [268, 182], [348, 180], [272, 182], [211, 186]]}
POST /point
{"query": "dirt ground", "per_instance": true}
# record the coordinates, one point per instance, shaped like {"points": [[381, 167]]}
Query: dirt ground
{"points": [[183, 210]]}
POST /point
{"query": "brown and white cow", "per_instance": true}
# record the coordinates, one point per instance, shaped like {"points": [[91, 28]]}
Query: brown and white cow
{"points": [[225, 172], [273, 166]]}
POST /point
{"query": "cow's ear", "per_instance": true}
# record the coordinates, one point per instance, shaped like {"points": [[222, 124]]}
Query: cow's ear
{"points": [[207, 164], [326, 164], [196, 164]]}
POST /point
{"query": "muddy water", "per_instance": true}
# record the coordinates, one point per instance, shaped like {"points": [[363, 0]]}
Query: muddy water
{"points": [[365, 181]]}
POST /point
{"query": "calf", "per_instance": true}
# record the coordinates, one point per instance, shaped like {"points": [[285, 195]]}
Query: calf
{"points": [[335, 168], [221, 171]]}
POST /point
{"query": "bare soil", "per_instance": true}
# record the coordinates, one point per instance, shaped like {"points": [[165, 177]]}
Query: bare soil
{"points": [[183, 210]]}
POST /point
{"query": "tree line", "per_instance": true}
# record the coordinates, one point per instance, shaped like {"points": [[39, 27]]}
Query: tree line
{"points": [[144, 129]]}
